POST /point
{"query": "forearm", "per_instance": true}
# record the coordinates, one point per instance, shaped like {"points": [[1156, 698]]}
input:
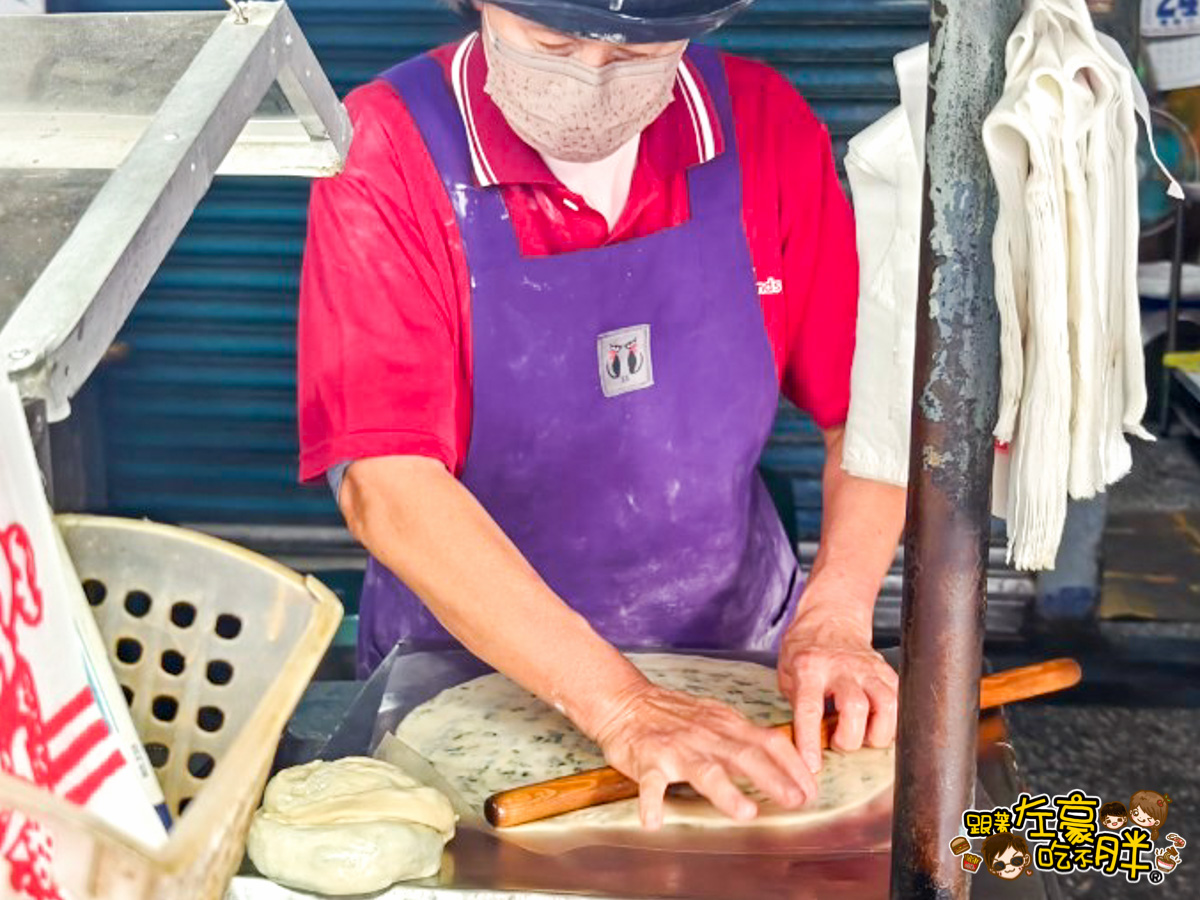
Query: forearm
{"points": [[860, 529], [429, 530]]}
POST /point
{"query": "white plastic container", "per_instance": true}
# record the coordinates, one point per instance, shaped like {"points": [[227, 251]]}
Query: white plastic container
{"points": [[215, 645]]}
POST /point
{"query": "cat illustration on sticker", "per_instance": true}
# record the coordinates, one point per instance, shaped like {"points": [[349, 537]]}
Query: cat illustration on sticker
{"points": [[626, 362], [627, 357]]}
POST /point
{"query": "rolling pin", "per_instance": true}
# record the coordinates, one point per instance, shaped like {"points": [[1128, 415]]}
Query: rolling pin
{"points": [[606, 785]]}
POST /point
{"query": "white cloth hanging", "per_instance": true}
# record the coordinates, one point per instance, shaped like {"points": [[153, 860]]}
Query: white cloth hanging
{"points": [[885, 166], [1061, 144]]}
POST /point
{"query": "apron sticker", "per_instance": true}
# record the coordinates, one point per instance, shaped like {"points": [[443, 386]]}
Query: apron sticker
{"points": [[625, 360]]}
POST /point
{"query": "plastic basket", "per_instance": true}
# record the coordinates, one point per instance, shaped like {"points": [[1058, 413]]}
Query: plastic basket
{"points": [[213, 645]]}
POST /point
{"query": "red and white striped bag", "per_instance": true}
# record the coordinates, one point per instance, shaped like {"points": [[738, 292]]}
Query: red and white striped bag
{"points": [[52, 732]]}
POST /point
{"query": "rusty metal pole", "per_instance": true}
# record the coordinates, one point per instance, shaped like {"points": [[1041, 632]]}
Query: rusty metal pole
{"points": [[955, 389]]}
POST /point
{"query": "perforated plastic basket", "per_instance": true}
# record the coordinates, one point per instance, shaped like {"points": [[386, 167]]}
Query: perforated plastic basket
{"points": [[213, 645]]}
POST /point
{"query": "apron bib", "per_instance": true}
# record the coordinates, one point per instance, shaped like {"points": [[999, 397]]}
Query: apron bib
{"points": [[622, 399]]}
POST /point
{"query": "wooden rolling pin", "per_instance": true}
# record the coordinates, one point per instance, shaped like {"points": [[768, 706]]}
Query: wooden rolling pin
{"points": [[606, 785]]}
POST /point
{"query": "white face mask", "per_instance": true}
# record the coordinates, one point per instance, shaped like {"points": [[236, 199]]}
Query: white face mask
{"points": [[571, 111]]}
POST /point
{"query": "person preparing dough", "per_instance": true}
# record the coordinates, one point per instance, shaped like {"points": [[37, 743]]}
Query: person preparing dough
{"points": [[545, 316]]}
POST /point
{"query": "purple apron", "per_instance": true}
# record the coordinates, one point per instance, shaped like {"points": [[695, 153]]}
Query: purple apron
{"points": [[622, 398]]}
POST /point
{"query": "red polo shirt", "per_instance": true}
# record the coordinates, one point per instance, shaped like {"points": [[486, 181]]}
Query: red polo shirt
{"points": [[384, 351]]}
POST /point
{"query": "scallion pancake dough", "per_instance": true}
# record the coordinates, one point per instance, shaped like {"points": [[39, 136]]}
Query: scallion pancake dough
{"points": [[489, 735], [352, 826]]}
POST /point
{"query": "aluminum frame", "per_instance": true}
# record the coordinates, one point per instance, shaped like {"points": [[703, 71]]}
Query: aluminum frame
{"points": [[66, 321]]}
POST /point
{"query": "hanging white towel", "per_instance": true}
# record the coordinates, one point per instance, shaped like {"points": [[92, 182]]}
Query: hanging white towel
{"points": [[1061, 144], [885, 165]]}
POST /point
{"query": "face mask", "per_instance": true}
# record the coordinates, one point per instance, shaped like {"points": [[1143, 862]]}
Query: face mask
{"points": [[571, 111]]}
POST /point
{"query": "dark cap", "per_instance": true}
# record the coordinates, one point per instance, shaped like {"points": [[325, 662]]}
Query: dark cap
{"points": [[628, 21]]}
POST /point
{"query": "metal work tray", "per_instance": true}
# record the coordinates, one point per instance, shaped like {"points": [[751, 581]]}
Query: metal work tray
{"points": [[484, 863]]}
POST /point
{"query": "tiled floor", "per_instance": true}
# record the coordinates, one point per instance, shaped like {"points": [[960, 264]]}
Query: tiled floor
{"points": [[1112, 751], [1165, 476], [1135, 722]]}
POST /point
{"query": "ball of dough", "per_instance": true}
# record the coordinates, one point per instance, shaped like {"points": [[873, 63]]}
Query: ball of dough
{"points": [[343, 859], [351, 826], [355, 789]]}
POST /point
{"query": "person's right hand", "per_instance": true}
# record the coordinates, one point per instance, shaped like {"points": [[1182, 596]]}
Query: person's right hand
{"points": [[660, 737]]}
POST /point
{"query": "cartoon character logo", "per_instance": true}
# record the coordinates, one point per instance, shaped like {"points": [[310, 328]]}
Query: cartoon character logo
{"points": [[626, 361], [1006, 855], [1149, 810], [628, 355], [1113, 815]]}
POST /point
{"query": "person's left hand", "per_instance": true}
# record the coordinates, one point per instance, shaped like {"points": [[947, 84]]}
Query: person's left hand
{"points": [[827, 652]]}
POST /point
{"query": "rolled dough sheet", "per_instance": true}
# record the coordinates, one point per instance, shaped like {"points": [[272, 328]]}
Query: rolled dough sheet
{"points": [[488, 735]]}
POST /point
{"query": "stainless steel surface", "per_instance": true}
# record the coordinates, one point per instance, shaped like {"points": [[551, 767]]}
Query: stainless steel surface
{"points": [[955, 392], [162, 98], [81, 90], [354, 734], [477, 867], [481, 864], [120, 66], [38, 211]]}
